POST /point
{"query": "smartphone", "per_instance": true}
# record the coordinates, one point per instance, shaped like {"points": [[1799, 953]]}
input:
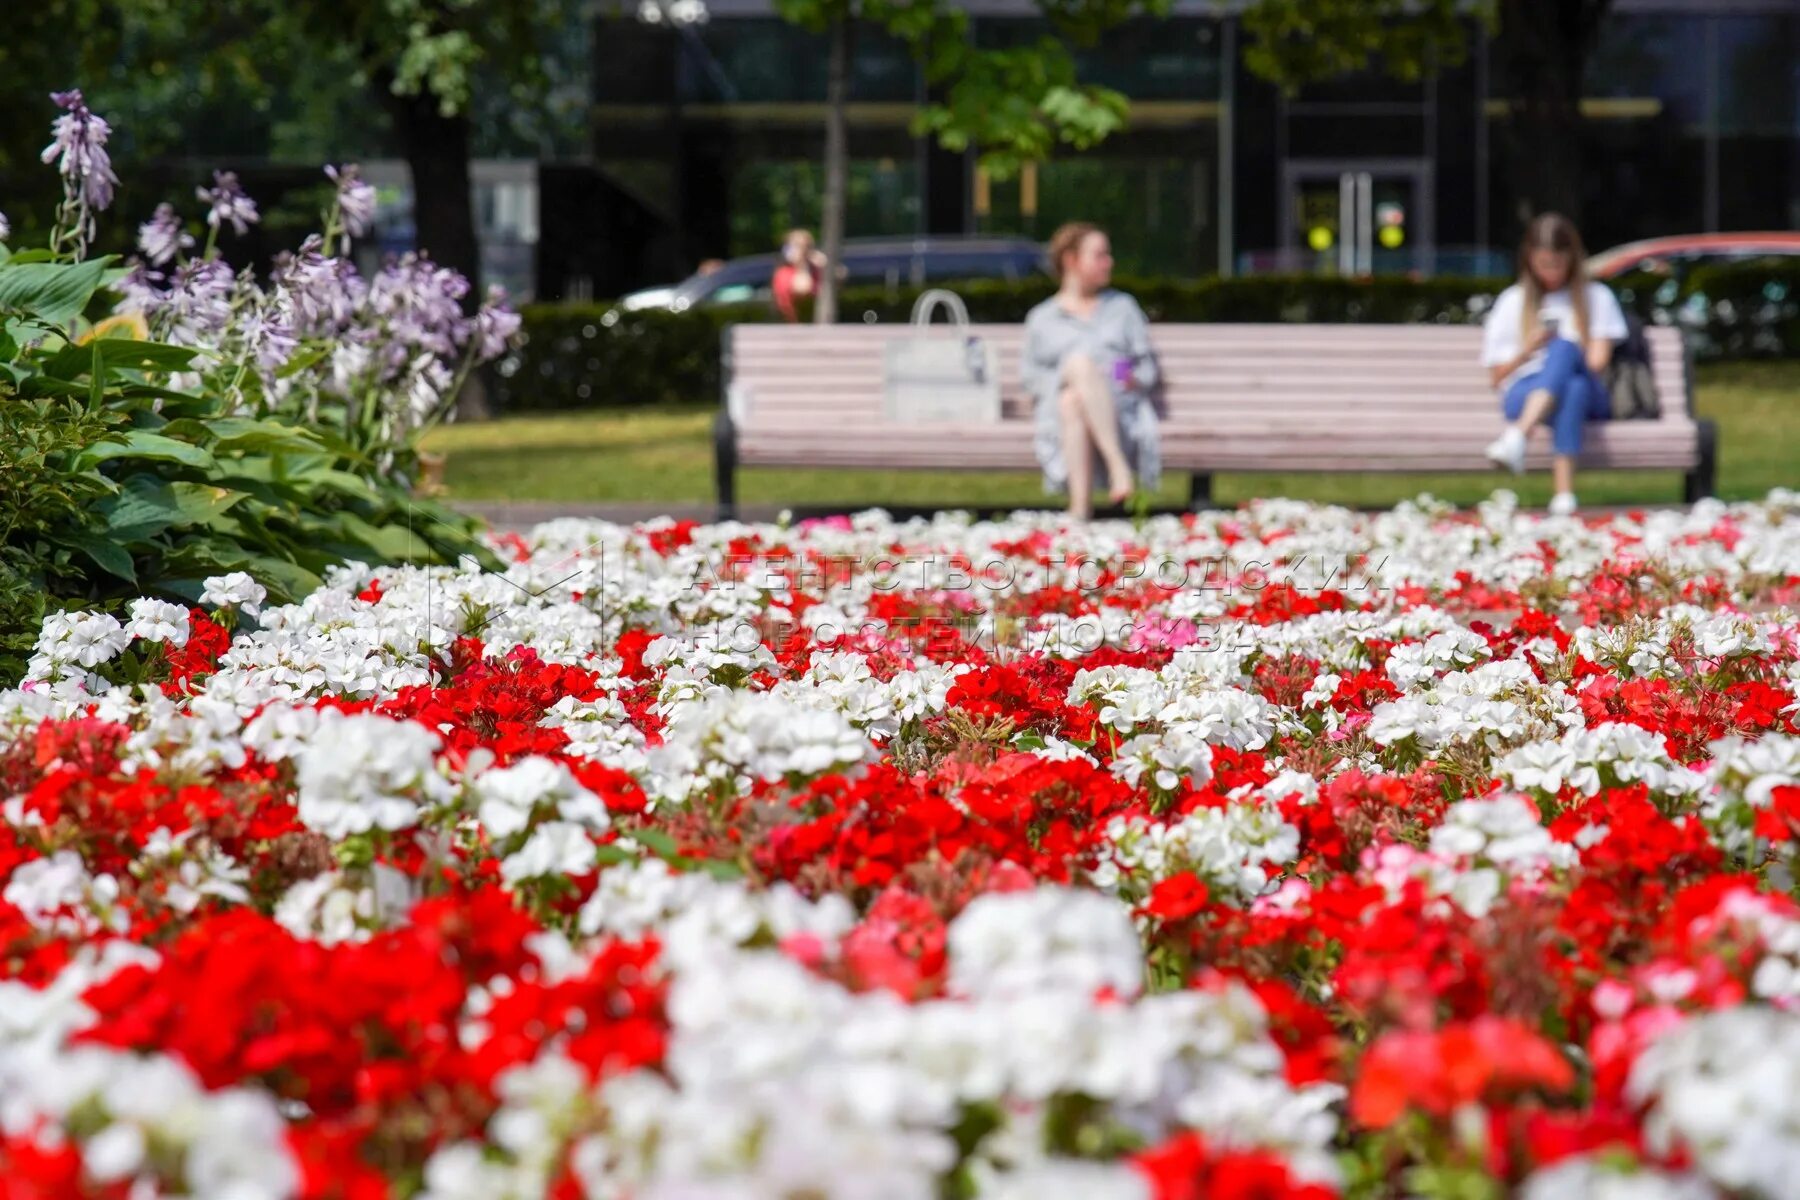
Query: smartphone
{"points": [[1553, 326]]}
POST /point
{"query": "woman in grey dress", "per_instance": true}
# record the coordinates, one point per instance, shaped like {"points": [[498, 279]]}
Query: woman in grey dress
{"points": [[1090, 370]]}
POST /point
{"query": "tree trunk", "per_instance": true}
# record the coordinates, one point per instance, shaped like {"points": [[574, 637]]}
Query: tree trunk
{"points": [[837, 169], [1543, 50], [437, 154]]}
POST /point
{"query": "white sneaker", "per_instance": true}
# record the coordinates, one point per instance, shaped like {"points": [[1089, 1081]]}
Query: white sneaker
{"points": [[1562, 504], [1508, 450]]}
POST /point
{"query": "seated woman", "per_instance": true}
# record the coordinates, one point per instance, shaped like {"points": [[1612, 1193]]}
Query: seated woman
{"points": [[1090, 370], [1547, 341]]}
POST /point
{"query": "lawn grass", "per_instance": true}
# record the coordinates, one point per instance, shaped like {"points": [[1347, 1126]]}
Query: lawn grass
{"points": [[665, 454]]}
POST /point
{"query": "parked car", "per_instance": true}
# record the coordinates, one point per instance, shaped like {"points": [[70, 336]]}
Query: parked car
{"points": [[894, 262], [1676, 256]]}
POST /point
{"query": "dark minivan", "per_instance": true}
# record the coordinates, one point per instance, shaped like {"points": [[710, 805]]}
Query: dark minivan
{"points": [[891, 262]]}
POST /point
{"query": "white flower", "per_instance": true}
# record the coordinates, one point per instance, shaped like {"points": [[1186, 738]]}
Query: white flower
{"points": [[84, 639], [1232, 848], [327, 910], [1725, 1085], [235, 590], [1020, 943], [1596, 1177], [364, 772], [554, 848], [158, 621], [506, 797]]}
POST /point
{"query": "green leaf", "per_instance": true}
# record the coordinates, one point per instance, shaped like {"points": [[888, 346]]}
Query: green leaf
{"points": [[281, 577], [109, 556], [53, 292], [153, 447], [143, 508], [97, 383], [201, 502], [122, 354], [300, 360], [43, 385], [657, 842], [147, 506], [246, 434]]}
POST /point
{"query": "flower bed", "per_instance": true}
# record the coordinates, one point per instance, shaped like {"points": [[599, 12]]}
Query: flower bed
{"points": [[1287, 852]]}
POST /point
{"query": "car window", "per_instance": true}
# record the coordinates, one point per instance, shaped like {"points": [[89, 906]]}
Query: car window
{"points": [[738, 293], [890, 269], [977, 265]]}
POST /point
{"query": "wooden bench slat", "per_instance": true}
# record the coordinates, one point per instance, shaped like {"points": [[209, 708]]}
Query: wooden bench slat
{"points": [[1236, 397]]}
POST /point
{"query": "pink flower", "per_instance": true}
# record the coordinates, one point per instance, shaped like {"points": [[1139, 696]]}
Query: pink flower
{"points": [[1163, 633]]}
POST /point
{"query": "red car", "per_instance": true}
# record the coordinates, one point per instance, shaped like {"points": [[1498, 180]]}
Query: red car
{"points": [[1676, 256]]}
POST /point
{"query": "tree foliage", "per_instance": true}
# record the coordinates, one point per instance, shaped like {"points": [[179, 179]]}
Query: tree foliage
{"points": [[1013, 105], [1297, 42]]}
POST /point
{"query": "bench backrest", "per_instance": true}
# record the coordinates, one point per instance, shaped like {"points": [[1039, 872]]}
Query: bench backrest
{"points": [[790, 373]]}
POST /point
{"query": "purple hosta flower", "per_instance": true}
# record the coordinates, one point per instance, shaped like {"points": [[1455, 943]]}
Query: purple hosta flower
{"points": [[270, 339], [141, 290], [229, 203], [198, 304], [321, 294], [79, 150], [161, 238], [356, 198], [5, 228], [495, 326], [423, 305]]}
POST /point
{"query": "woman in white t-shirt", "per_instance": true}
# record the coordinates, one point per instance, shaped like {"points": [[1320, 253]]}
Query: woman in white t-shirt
{"points": [[1548, 339]]}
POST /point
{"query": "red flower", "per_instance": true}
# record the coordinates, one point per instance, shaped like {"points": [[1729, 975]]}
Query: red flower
{"points": [[1187, 1168], [1177, 897], [1439, 1072]]}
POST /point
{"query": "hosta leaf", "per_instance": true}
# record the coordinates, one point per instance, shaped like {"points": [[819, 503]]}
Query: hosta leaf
{"points": [[245, 435], [147, 506], [52, 292], [109, 556], [144, 507], [122, 354], [389, 541], [153, 447]]}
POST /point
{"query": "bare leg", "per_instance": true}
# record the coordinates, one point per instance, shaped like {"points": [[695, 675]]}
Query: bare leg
{"points": [[1562, 472], [1083, 377], [1537, 406], [1076, 455]]}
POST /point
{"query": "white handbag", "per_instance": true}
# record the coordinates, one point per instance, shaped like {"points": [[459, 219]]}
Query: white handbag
{"points": [[947, 376]]}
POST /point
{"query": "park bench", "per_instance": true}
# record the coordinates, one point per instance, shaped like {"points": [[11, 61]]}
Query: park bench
{"points": [[1280, 398]]}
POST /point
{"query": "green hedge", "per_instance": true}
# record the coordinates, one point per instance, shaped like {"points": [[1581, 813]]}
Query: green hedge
{"points": [[599, 356]]}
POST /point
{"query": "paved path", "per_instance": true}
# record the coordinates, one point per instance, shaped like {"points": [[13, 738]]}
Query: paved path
{"points": [[523, 514]]}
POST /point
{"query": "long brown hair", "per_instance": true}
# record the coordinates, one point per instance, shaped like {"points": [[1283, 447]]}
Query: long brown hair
{"points": [[1065, 241], [1552, 231]]}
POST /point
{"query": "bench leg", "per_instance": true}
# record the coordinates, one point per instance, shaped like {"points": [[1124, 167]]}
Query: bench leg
{"points": [[725, 465], [1703, 480], [1199, 491]]}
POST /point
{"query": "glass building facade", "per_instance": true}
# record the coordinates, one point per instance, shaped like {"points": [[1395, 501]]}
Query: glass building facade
{"points": [[708, 142]]}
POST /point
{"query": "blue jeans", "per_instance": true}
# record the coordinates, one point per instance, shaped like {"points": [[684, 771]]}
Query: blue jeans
{"points": [[1579, 396]]}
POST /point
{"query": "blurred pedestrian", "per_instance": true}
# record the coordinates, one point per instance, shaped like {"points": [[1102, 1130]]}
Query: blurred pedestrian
{"points": [[798, 273], [1547, 343]]}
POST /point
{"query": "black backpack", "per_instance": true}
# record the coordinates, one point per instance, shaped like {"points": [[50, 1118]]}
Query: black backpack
{"points": [[1630, 379]]}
